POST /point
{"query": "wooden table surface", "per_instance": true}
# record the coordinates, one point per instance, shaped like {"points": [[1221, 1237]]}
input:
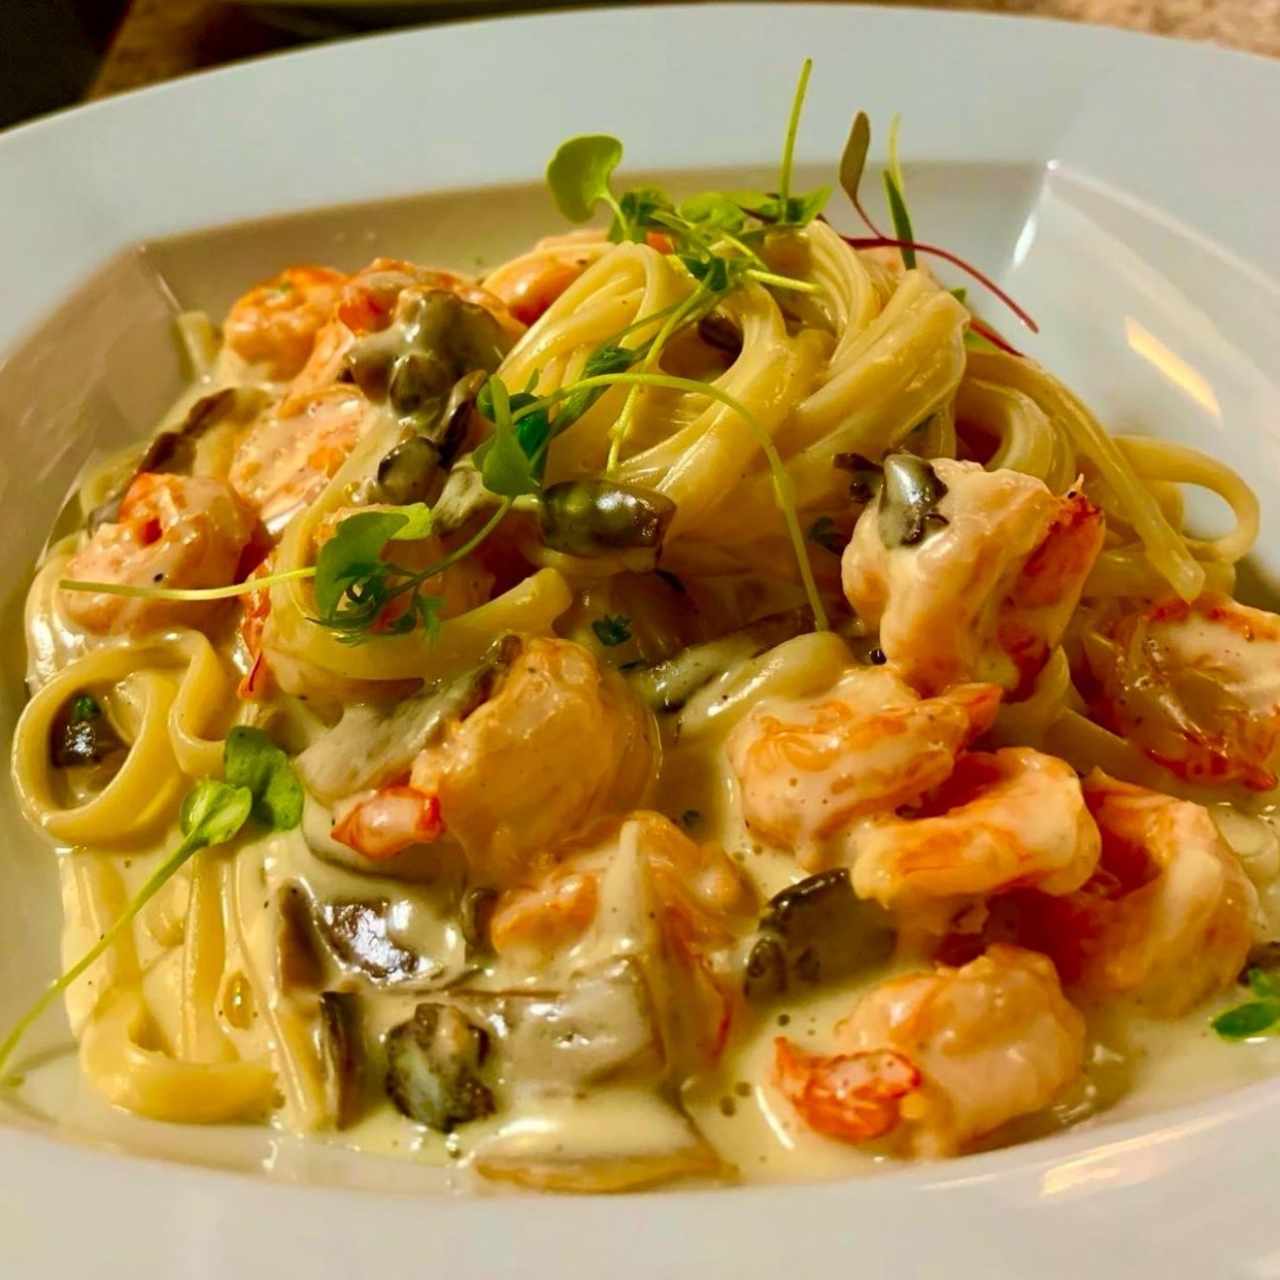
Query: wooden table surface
{"points": [[161, 39]]}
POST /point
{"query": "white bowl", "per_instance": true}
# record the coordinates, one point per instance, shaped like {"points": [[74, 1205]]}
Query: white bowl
{"points": [[1124, 187]]}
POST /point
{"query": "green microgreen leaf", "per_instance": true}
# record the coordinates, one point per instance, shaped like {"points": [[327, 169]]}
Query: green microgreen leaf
{"points": [[417, 522], [84, 706], [352, 554], [853, 160], [253, 761], [212, 813], [612, 629], [352, 558], [640, 209], [799, 211], [1263, 984], [715, 211], [505, 467], [895, 195], [759, 204], [533, 432], [354, 585], [360, 612], [793, 127], [714, 274], [604, 360], [579, 173], [1245, 1020], [974, 341]]}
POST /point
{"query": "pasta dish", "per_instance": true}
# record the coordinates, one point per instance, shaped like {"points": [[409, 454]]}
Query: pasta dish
{"points": [[692, 702]]}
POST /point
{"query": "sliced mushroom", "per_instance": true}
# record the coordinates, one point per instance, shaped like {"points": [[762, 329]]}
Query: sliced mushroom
{"points": [[765, 977], [175, 451], [298, 964], [433, 1068], [601, 517], [601, 1027], [465, 497], [370, 743], [416, 363], [909, 500], [454, 426], [464, 334], [359, 935], [342, 1056], [419, 384], [474, 916], [816, 931], [669, 685], [411, 472], [865, 477], [82, 734], [720, 332], [600, 1144], [370, 359]]}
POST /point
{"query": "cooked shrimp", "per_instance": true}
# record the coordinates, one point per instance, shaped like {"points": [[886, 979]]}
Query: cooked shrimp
{"points": [[530, 283], [552, 914], [854, 1097], [987, 592], [381, 823], [377, 300], [276, 323], [173, 531], [808, 769], [559, 742], [256, 608], [938, 1060], [368, 301], [692, 904], [1169, 917], [1007, 820], [1196, 686], [700, 884], [286, 458]]}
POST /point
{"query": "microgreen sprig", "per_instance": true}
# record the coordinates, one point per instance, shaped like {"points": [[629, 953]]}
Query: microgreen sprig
{"points": [[354, 585], [793, 128], [259, 782], [1254, 1017], [578, 176], [895, 191], [852, 165], [186, 594]]}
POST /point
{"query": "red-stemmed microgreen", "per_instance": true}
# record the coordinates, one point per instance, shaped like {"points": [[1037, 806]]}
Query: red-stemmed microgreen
{"points": [[852, 165]]}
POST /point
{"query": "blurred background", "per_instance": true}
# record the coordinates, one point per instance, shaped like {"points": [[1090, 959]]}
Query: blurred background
{"points": [[54, 53]]}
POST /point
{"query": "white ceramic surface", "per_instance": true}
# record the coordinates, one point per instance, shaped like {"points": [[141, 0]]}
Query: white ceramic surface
{"points": [[1126, 188]]}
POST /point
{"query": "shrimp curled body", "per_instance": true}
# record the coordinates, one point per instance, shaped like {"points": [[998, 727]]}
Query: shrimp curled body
{"points": [[809, 769], [1004, 820], [172, 531], [933, 1061]]}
